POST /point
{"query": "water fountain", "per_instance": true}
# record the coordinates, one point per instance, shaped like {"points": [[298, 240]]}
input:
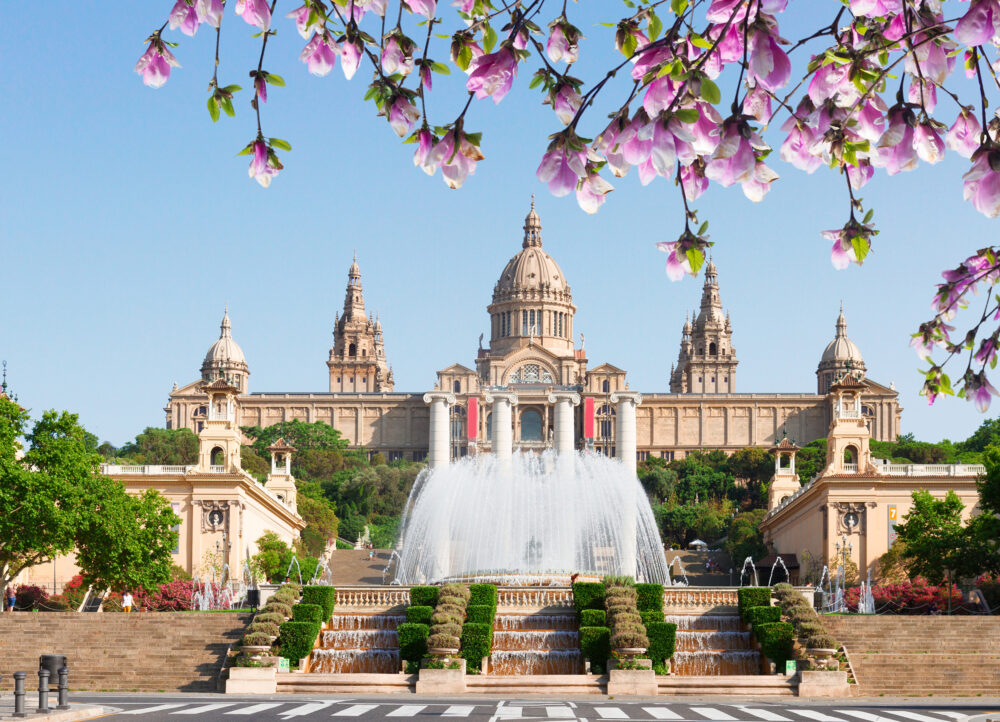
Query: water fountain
{"points": [[770, 577], [676, 561], [743, 571], [712, 644], [298, 569], [535, 517], [535, 644], [359, 643]]}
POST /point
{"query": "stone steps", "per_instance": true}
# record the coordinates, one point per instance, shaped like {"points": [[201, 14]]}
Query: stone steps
{"points": [[769, 685]]}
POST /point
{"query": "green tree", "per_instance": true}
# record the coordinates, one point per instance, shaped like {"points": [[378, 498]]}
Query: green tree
{"points": [[934, 537], [274, 557], [303, 436], [988, 434], [253, 464], [321, 523], [745, 539], [162, 446], [810, 460], [755, 466]]}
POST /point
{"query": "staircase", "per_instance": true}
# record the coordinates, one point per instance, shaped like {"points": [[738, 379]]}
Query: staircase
{"points": [[352, 567], [694, 568], [149, 652], [920, 655], [535, 644]]}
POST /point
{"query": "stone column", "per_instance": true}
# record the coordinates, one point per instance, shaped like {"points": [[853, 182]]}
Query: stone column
{"points": [[564, 402], [503, 433], [439, 448], [626, 401]]}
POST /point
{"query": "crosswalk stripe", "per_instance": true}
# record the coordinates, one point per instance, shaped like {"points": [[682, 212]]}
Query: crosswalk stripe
{"points": [[953, 715], [255, 709], [712, 713], [818, 716], [459, 710], [355, 710], [504, 712], [406, 710], [661, 713], [203, 708], [157, 708], [610, 713], [560, 712], [765, 714], [907, 714], [866, 716], [306, 709]]}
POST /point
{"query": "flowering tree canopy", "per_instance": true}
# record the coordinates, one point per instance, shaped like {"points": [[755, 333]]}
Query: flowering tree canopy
{"points": [[862, 95]]}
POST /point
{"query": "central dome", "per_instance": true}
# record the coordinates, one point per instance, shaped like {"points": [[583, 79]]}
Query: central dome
{"points": [[532, 269]]}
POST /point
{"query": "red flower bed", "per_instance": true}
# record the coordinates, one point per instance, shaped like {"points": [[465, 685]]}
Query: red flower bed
{"points": [[916, 596]]}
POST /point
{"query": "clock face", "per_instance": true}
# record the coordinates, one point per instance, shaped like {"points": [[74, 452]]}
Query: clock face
{"points": [[215, 517], [851, 519]]}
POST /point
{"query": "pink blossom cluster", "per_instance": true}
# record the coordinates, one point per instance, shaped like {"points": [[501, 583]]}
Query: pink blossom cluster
{"points": [[456, 154], [916, 596]]}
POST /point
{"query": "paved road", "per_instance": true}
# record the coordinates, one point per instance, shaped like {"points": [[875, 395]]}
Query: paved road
{"points": [[219, 708]]}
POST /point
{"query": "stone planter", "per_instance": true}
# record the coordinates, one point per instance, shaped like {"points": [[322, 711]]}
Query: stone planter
{"points": [[254, 652], [443, 651], [641, 682], [442, 681], [823, 684], [629, 652], [820, 653], [252, 680]]}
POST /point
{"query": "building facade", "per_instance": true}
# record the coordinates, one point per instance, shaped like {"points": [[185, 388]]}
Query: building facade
{"points": [[535, 350]]}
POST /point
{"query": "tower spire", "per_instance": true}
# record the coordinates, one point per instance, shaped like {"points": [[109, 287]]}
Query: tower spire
{"points": [[532, 227]]}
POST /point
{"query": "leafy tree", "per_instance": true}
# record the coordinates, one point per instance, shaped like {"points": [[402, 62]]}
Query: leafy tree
{"points": [[988, 434], [253, 464], [745, 539], [810, 460], [755, 466], [274, 557], [162, 446], [377, 459], [934, 537], [657, 479], [303, 436], [321, 523]]}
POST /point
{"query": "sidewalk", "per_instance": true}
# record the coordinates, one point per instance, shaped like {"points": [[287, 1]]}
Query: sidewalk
{"points": [[76, 711]]}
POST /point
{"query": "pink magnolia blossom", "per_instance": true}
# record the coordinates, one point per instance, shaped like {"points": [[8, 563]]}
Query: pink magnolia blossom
{"points": [[927, 143], [693, 181], [923, 346], [982, 183], [934, 60], [264, 165], [350, 57], [896, 28], [769, 65], [302, 24], [871, 121], [403, 115], [592, 192], [375, 6], [677, 261], [796, 148], [876, 8], [395, 59], [426, 76], [562, 169], [828, 81], [734, 160], [979, 391], [923, 94], [456, 163], [492, 75], [320, 54], [260, 87], [646, 62], [421, 157], [154, 65], [663, 152], [464, 6], [963, 137], [757, 104], [759, 183], [979, 25], [860, 174], [608, 144], [705, 131], [730, 48], [426, 8], [560, 47], [842, 253], [896, 152], [659, 95], [565, 103], [987, 350], [209, 11], [185, 17], [255, 12], [641, 40], [721, 10]]}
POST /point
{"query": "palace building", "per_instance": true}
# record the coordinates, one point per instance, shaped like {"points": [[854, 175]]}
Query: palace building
{"points": [[535, 362]]}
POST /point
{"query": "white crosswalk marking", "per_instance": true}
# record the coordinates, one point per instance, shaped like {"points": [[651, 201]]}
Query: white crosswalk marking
{"points": [[818, 716], [306, 709], [866, 716], [712, 713], [504, 712], [953, 715], [406, 710], [764, 714], [157, 708], [907, 714], [559, 712], [203, 708], [661, 713], [256, 708], [355, 710], [459, 710], [610, 713]]}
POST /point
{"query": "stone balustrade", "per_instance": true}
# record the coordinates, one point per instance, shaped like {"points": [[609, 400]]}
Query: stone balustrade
{"points": [[693, 598], [534, 597], [130, 469], [372, 598]]}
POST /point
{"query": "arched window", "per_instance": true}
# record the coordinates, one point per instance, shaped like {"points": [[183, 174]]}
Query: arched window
{"points": [[850, 455], [605, 386], [364, 352], [352, 350], [456, 386], [712, 349], [489, 426], [531, 425], [218, 456]]}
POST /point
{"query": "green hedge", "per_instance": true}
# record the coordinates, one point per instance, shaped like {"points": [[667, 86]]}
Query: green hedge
{"points": [[588, 595], [307, 613], [662, 640], [296, 639], [652, 616], [649, 597], [595, 644], [762, 615], [480, 614], [326, 597], [483, 594], [419, 615], [593, 618], [753, 597], [775, 641], [476, 642], [423, 596], [412, 641]]}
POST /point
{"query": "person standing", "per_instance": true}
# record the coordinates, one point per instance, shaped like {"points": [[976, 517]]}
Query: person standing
{"points": [[11, 598], [127, 602]]}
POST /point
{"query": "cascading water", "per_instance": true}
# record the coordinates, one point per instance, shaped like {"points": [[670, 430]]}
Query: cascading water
{"points": [[359, 643], [712, 644], [533, 516], [535, 644]]}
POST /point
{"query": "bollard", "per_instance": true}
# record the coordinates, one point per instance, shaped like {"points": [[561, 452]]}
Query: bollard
{"points": [[63, 688], [43, 691], [19, 694]]}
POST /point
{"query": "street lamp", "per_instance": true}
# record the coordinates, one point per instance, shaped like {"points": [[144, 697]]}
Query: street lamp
{"points": [[844, 551]]}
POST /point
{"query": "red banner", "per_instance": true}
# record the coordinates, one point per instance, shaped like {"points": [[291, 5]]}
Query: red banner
{"points": [[473, 420], [588, 418]]}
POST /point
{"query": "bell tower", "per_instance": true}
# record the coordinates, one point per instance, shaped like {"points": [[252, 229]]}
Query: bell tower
{"points": [[707, 361], [847, 450], [219, 441], [357, 361], [280, 481], [785, 481]]}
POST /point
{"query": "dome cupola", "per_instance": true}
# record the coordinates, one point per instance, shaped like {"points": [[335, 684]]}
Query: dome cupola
{"points": [[225, 359], [840, 357]]}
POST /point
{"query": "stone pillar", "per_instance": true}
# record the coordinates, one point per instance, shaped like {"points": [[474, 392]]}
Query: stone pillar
{"points": [[503, 432], [626, 401], [564, 441], [439, 448]]}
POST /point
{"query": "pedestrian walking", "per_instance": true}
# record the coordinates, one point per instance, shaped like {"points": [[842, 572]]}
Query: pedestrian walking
{"points": [[11, 598], [127, 602]]}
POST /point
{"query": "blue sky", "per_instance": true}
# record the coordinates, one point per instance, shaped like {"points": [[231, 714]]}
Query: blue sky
{"points": [[127, 222]]}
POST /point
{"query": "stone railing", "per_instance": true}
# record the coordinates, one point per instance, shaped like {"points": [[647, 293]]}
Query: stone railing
{"points": [[373, 598], [699, 597], [130, 469], [932, 469], [534, 597]]}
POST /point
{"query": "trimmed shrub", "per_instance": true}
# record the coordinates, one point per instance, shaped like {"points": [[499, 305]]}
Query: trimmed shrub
{"points": [[753, 597], [593, 618], [450, 629], [662, 640], [447, 606], [325, 597], [267, 628], [483, 594], [809, 629], [476, 641], [423, 596], [775, 641], [821, 641], [412, 640], [278, 608], [762, 615], [595, 644], [629, 638], [652, 616], [441, 616], [800, 615], [256, 639], [307, 613], [269, 618], [284, 595], [419, 615], [455, 590], [296, 639], [649, 597], [443, 641], [587, 595], [783, 590], [480, 614]]}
